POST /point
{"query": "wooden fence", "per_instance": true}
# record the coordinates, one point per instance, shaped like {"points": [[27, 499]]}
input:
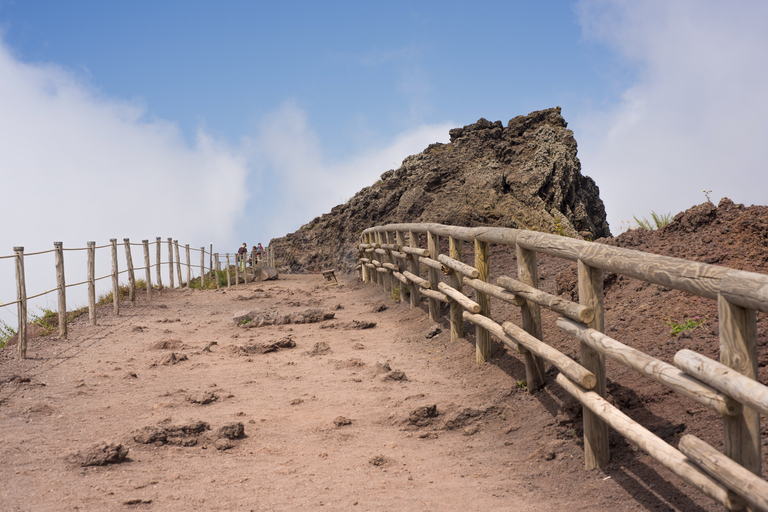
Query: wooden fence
{"points": [[173, 262], [391, 256]]}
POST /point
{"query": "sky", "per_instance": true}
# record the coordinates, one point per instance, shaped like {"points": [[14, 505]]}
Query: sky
{"points": [[239, 121]]}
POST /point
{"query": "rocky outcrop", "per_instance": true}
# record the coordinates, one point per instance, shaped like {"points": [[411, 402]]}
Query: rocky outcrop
{"points": [[525, 175]]}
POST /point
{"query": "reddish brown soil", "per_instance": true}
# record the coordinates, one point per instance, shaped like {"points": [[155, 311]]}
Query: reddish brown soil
{"points": [[343, 419]]}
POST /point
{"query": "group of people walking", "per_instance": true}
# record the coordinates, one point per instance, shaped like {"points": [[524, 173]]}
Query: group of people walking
{"points": [[256, 254]]}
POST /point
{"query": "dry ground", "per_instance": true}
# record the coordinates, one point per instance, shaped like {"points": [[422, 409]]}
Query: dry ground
{"points": [[340, 421]]}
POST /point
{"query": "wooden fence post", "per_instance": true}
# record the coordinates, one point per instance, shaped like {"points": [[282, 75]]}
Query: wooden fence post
{"points": [[387, 237], [171, 284], [379, 276], [482, 336], [596, 451], [527, 273], [404, 290], [21, 296], [413, 266], [148, 267], [434, 305], [92, 282], [210, 255], [158, 258], [178, 261], [229, 281], [131, 276], [189, 267], [61, 284], [216, 269], [738, 351], [457, 310], [237, 269], [115, 279], [202, 268], [368, 275]]}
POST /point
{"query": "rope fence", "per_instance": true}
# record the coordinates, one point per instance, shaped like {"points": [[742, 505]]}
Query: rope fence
{"points": [[174, 267], [393, 255]]}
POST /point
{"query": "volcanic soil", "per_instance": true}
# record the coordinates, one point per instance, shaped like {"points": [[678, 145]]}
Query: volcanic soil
{"points": [[341, 398]]}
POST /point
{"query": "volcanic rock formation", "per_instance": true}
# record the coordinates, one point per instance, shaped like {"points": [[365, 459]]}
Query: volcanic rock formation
{"points": [[525, 175]]}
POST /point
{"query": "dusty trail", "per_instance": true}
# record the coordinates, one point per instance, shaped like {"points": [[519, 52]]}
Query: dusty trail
{"points": [[340, 421]]}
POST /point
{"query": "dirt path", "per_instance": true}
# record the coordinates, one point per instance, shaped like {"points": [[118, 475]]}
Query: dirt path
{"points": [[343, 420]]}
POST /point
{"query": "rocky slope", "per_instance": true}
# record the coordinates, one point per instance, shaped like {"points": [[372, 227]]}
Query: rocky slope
{"points": [[524, 175]]}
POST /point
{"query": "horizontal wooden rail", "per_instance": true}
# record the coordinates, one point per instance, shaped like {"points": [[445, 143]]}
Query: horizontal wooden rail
{"points": [[653, 368], [566, 308], [565, 364], [641, 437], [729, 388], [745, 289], [747, 391], [458, 266], [747, 485]]}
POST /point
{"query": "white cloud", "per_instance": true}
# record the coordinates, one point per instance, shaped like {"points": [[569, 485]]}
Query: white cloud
{"points": [[694, 119], [79, 166], [308, 183]]}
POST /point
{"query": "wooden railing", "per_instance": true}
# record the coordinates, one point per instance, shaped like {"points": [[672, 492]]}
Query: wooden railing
{"points": [[391, 255], [173, 261]]}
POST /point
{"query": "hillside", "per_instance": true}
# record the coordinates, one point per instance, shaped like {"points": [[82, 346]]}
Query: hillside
{"points": [[523, 175]]}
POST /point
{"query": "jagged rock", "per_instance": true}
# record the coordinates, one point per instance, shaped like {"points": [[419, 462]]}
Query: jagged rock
{"points": [[234, 430], [525, 175], [100, 455]]}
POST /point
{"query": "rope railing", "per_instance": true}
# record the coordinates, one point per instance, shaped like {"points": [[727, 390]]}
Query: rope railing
{"points": [[393, 256], [174, 268]]}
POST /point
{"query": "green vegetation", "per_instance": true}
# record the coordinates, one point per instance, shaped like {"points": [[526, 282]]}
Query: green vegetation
{"points": [[688, 324], [558, 227], [6, 332], [659, 221], [521, 384], [396, 294]]}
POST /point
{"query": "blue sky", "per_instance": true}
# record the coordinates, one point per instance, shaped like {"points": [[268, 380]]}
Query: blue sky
{"points": [[242, 120]]}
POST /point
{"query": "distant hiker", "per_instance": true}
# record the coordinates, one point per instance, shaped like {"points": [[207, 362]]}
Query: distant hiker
{"points": [[260, 251], [254, 256], [242, 254]]}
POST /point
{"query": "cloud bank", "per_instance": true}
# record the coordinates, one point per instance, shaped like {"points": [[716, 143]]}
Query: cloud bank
{"points": [[693, 119], [304, 183], [79, 166]]}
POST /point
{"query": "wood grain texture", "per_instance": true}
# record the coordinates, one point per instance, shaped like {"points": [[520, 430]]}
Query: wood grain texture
{"points": [[554, 303], [61, 284], [744, 389], [654, 446], [483, 266], [91, 265], [747, 485], [495, 329], [131, 275], [596, 451], [115, 281], [565, 364], [527, 273], [434, 307], [653, 368], [738, 351], [147, 268], [457, 307]]}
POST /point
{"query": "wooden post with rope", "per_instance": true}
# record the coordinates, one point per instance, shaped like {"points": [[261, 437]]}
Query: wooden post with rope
{"points": [[115, 279], [131, 276], [21, 296], [61, 285], [92, 282], [171, 284], [158, 258], [147, 269]]}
